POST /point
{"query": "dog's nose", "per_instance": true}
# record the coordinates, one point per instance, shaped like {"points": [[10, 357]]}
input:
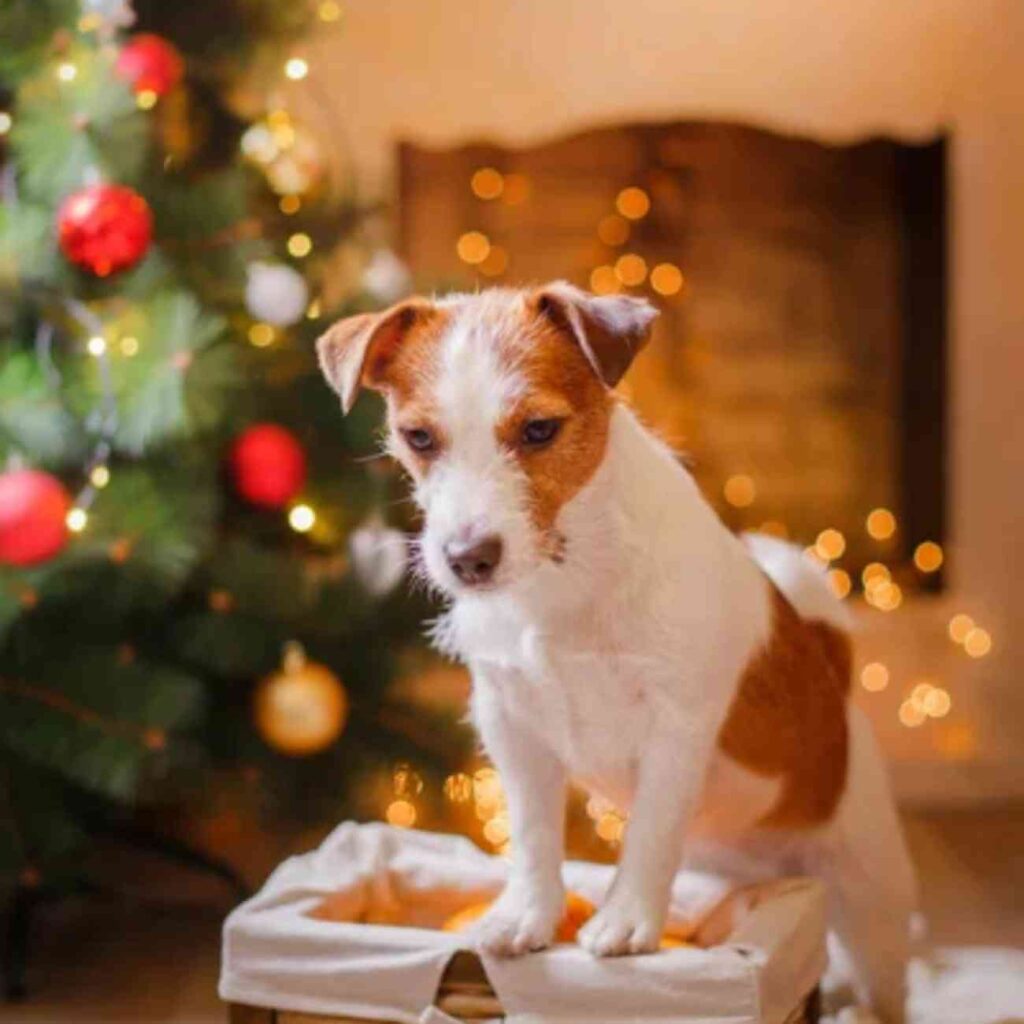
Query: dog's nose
{"points": [[476, 561]]}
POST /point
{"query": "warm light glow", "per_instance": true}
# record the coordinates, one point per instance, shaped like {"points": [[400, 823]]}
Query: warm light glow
{"points": [[90, 22], [603, 280], [401, 813], [881, 524], [937, 702], [145, 99], [928, 556], [631, 269], [296, 69], [487, 183], [313, 311], [886, 597], [597, 806], [96, 345], [100, 476], [301, 518], [959, 626], [633, 203], [328, 10], [300, 244], [5, 122], [516, 190], [129, 345], [261, 335], [473, 247], [839, 579], [290, 204], [911, 714], [957, 741], [496, 830], [496, 262], [610, 827], [874, 677], [774, 528], [978, 642], [875, 575], [666, 279], [740, 490], [76, 520], [613, 230], [67, 72], [830, 545], [458, 788]]}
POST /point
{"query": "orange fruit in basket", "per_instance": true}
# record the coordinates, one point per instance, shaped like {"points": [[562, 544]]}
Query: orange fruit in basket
{"points": [[575, 915]]}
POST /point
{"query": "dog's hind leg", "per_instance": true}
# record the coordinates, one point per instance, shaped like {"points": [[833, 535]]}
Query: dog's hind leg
{"points": [[872, 891]]}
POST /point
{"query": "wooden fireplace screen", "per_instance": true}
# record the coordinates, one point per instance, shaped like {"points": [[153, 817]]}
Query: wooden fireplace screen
{"points": [[799, 358]]}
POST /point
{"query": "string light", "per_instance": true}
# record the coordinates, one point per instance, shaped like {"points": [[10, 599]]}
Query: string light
{"points": [[875, 575], [880, 524], [301, 518], [928, 556], [667, 279], [496, 262], [261, 334], [839, 579], [633, 202], [516, 190], [458, 788], [313, 311], [613, 230], [978, 642], [100, 476], [329, 11], [487, 183], [473, 247], [129, 346], [290, 204], [603, 280], [76, 519], [911, 714], [959, 626], [937, 702], [830, 545], [631, 269], [296, 69], [496, 829], [67, 72], [610, 827], [774, 528], [145, 99], [6, 122], [401, 813], [300, 244], [96, 345], [740, 490], [874, 677]]}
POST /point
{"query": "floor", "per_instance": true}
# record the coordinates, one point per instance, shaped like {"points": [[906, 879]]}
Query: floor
{"points": [[129, 961]]}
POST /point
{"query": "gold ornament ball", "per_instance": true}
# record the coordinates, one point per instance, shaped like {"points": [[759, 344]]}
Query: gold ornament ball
{"points": [[302, 709]]}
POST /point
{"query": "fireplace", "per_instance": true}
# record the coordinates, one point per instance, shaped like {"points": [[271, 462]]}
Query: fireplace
{"points": [[799, 363]]}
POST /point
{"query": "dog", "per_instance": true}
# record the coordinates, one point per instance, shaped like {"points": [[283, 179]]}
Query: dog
{"points": [[618, 634]]}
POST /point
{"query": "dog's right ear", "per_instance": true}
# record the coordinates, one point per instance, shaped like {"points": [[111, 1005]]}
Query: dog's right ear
{"points": [[355, 352]]}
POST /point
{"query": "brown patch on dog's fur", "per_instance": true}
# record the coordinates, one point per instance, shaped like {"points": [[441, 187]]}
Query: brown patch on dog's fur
{"points": [[560, 384], [788, 718]]}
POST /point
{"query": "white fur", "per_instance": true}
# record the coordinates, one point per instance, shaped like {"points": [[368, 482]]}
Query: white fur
{"points": [[617, 667]]}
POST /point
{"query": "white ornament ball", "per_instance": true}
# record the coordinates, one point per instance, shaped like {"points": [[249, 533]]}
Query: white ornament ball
{"points": [[386, 276], [379, 556], [276, 294], [114, 13]]}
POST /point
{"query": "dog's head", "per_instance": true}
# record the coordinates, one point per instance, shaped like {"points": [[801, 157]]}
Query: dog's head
{"points": [[498, 407]]}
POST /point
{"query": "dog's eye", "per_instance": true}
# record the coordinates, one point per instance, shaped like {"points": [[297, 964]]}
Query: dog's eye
{"points": [[419, 439], [540, 432]]}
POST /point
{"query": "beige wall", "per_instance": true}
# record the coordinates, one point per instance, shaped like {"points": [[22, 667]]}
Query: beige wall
{"points": [[443, 71]]}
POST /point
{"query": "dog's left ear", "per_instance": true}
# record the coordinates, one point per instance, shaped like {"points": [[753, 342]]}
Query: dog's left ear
{"points": [[357, 350], [610, 329]]}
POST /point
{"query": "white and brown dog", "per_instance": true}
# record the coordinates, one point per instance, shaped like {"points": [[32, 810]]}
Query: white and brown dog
{"points": [[619, 634]]}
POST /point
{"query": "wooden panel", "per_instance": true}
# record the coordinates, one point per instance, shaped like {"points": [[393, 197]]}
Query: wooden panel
{"points": [[783, 357]]}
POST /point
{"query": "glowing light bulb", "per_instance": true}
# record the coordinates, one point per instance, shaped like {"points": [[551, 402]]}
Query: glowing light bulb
{"points": [[667, 279], [301, 518], [633, 202], [300, 244], [631, 269], [880, 524], [978, 642], [67, 72], [6, 121], [874, 677], [146, 99], [487, 183], [76, 519], [129, 346], [329, 11], [401, 813], [839, 579], [96, 345], [830, 545], [296, 69], [473, 247], [100, 476], [959, 626], [928, 556], [740, 490], [603, 280], [261, 335]]}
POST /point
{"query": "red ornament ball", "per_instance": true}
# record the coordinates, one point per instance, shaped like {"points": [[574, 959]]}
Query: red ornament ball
{"points": [[33, 510], [151, 64], [268, 465], [104, 228]]}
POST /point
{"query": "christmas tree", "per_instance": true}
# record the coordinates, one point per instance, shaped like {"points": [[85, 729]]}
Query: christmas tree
{"points": [[199, 557]]}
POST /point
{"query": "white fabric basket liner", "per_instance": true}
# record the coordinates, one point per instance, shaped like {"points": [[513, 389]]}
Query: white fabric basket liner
{"points": [[276, 955]]}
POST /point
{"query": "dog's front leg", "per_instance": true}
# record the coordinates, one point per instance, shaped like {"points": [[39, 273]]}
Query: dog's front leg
{"points": [[631, 920], [526, 915]]}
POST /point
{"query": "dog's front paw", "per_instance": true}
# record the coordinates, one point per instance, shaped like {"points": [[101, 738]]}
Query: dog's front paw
{"points": [[518, 923], [627, 923]]}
